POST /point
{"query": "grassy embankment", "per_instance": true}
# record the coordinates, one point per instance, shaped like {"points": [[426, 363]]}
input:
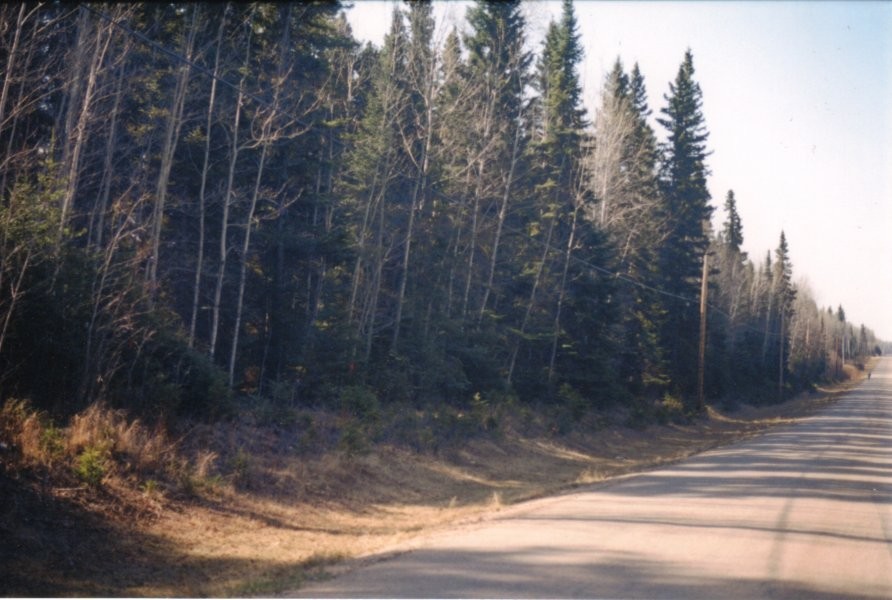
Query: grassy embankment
{"points": [[106, 506]]}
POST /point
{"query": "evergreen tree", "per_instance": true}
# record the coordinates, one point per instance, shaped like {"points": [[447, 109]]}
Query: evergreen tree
{"points": [[560, 200], [732, 230], [622, 174], [785, 294], [558, 81], [687, 210], [377, 178], [498, 72]]}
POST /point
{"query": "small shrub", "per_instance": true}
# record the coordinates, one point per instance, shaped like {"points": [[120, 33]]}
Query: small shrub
{"points": [[426, 441], [90, 465], [149, 487], [353, 441], [639, 414], [52, 442], [573, 401], [670, 409], [31, 433], [451, 426], [99, 426], [274, 413], [188, 484], [360, 402]]}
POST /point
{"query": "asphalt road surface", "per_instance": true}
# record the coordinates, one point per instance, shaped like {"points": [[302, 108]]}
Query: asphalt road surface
{"points": [[801, 512]]}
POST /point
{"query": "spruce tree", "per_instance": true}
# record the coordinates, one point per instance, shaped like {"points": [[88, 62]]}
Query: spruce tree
{"points": [[687, 210], [497, 76], [376, 182], [785, 293], [732, 231], [622, 175], [558, 81], [572, 295]]}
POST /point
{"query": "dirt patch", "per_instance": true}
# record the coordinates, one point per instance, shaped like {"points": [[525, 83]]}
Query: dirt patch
{"points": [[279, 517]]}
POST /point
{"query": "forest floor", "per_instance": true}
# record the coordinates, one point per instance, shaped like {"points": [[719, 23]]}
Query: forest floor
{"points": [[282, 518]]}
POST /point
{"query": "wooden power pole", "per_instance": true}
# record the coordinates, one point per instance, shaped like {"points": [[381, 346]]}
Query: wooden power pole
{"points": [[780, 366], [701, 371]]}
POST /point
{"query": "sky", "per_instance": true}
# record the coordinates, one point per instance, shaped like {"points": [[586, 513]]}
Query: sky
{"points": [[797, 97]]}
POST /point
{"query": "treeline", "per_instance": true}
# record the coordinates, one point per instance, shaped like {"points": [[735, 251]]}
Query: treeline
{"points": [[203, 198]]}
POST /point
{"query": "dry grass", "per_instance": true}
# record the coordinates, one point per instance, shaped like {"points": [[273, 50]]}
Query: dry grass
{"points": [[244, 510], [42, 444]]}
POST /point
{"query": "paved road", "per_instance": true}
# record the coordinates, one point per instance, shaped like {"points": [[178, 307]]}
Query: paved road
{"points": [[801, 512]]}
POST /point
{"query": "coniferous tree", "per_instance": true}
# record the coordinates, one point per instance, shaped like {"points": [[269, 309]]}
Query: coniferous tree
{"points": [[785, 294], [498, 69], [732, 280], [377, 176], [562, 198], [733, 228], [683, 183]]}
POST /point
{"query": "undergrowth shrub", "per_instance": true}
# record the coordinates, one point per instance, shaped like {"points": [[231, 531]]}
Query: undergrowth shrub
{"points": [[354, 441], [573, 401], [91, 465], [361, 419], [360, 402], [639, 414], [271, 412], [670, 410]]}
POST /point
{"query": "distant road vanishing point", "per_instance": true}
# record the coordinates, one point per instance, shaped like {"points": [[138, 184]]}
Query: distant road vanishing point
{"points": [[803, 511]]}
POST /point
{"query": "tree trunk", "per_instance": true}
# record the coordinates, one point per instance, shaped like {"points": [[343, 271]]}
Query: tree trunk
{"points": [[224, 227], [503, 213], [171, 137], [202, 198], [246, 246], [561, 293], [97, 222], [72, 157]]}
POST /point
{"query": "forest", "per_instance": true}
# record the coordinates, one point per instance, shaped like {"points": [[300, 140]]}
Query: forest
{"points": [[205, 204]]}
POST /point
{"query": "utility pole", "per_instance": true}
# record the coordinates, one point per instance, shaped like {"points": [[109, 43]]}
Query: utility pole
{"points": [[780, 368], [701, 371]]}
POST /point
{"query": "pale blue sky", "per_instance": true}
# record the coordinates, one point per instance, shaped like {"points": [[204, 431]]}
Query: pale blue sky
{"points": [[798, 101]]}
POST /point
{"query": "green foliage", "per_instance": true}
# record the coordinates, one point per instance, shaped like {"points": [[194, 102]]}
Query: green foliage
{"points": [[91, 464], [684, 189], [427, 235], [360, 402], [52, 441], [353, 441], [670, 410]]}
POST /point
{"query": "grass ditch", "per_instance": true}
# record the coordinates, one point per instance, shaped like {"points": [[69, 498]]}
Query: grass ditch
{"points": [[107, 506]]}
